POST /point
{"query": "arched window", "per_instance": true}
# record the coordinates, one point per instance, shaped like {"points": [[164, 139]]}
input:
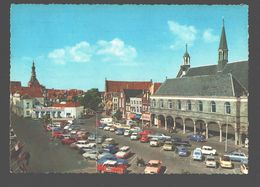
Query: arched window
{"points": [[153, 103], [161, 103], [227, 108], [169, 104], [179, 105], [200, 107], [188, 105], [213, 106]]}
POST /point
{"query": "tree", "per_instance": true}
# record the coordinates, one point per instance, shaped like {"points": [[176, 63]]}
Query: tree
{"points": [[91, 99], [118, 115]]}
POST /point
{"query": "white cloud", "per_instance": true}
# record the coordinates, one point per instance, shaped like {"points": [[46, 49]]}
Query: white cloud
{"points": [[208, 36], [80, 53], [116, 48], [183, 33]]}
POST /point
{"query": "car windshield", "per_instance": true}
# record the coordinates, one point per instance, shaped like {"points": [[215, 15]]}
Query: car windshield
{"points": [[197, 153], [225, 158], [153, 165], [210, 159]]}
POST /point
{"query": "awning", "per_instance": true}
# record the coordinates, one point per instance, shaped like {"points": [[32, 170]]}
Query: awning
{"points": [[138, 116], [145, 117], [132, 116]]}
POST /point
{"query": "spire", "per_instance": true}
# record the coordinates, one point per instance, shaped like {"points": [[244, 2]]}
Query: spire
{"points": [[223, 40], [186, 54], [33, 81]]}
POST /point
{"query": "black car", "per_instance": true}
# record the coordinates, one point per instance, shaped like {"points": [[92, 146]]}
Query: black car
{"points": [[178, 141]]}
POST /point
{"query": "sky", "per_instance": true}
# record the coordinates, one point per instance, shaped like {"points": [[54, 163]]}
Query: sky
{"points": [[79, 46]]}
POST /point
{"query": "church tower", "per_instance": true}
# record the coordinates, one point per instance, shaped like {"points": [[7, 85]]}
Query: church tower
{"points": [[222, 50], [185, 65], [33, 81]]}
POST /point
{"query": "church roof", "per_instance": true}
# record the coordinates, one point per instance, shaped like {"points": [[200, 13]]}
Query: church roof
{"points": [[239, 70], [205, 85]]}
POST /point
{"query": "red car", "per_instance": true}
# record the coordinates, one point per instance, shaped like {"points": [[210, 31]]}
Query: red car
{"points": [[68, 141], [57, 134], [146, 132], [144, 139], [111, 166]]}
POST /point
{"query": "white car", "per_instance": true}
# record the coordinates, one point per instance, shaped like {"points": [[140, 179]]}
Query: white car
{"points": [[123, 152], [134, 136], [197, 154], [210, 161], [92, 154], [127, 132], [208, 150], [81, 143], [108, 141], [112, 129], [155, 142], [106, 128]]}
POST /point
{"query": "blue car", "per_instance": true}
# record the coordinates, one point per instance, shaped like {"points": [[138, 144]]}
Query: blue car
{"points": [[111, 149], [120, 131], [119, 160], [182, 151], [197, 138]]}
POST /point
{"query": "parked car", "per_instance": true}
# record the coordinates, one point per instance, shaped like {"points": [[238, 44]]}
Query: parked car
{"points": [[153, 167], [111, 166], [182, 150], [109, 141], [92, 137], [197, 138], [69, 140], [237, 156], [144, 139], [168, 146], [92, 154], [102, 125], [197, 154], [112, 129], [123, 152], [74, 127], [106, 128], [57, 134], [120, 161], [111, 149], [160, 136], [100, 139], [210, 161], [127, 132], [146, 132], [244, 168], [12, 135], [120, 131], [79, 144], [208, 150], [155, 142], [135, 136], [225, 162]]}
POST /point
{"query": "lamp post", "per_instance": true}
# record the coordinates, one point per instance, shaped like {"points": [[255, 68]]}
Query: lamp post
{"points": [[226, 134]]}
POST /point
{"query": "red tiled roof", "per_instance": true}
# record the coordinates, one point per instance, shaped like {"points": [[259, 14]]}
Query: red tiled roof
{"points": [[156, 86], [68, 104], [117, 86], [31, 92]]}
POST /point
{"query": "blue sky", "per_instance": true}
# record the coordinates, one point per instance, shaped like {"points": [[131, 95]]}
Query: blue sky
{"points": [[78, 46]]}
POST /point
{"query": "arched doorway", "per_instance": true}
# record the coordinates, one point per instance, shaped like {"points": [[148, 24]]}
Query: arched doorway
{"points": [[200, 126], [161, 121], [228, 131], [189, 125], [178, 124], [213, 130], [170, 122]]}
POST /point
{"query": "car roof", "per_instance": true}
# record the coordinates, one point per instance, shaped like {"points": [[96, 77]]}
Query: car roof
{"points": [[154, 162], [111, 162]]}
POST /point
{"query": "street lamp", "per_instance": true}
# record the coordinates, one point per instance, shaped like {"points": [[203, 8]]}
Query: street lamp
{"points": [[226, 133]]}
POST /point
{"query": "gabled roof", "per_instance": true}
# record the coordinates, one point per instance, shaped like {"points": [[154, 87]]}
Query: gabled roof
{"points": [[207, 85], [118, 86], [239, 70]]}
